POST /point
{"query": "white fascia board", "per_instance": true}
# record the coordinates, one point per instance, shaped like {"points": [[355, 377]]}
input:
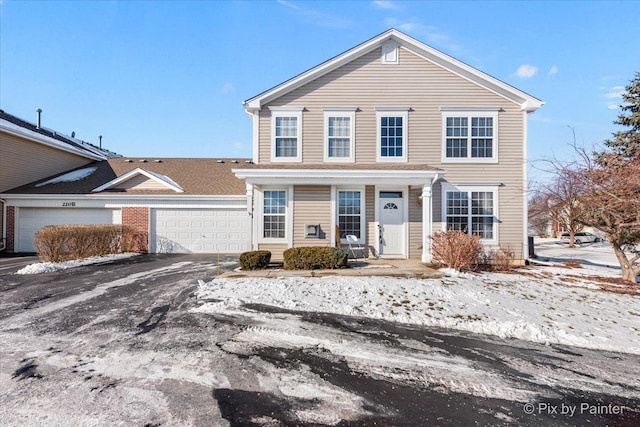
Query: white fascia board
{"points": [[335, 177], [138, 171], [21, 132], [467, 71], [426, 52], [175, 197], [316, 72]]}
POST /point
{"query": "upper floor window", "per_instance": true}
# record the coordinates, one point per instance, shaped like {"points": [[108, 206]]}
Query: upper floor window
{"points": [[392, 135], [339, 136], [469, 136], [286, 134]]}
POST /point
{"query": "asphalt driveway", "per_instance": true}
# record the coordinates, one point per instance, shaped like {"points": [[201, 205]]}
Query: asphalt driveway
{"points": [[119, 344]]}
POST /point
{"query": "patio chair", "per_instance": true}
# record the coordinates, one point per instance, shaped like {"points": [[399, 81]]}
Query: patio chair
{"points": [[354, 245]]}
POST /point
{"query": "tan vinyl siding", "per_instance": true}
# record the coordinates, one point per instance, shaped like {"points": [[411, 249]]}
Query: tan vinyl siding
{"points": [[311, 205], [276, 249], [415, 224], [365, 83], [23, 161], [141, 182], [370, 217]]}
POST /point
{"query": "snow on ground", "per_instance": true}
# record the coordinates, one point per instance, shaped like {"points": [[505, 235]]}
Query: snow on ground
{"points": [[547, 304], [72, 176], [49, 267]]}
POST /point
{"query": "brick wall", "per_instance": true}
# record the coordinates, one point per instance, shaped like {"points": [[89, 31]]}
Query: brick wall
{"points": [[138, 217], [11, 221]]}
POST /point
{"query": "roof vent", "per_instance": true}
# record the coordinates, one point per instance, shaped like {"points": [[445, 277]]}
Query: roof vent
{"points": [[248, 161], [38, 118], [143, 160], [158, 161], [234, 161], [220, 161], [128, 161]]}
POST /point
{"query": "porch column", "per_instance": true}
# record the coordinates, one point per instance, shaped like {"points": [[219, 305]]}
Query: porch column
{"points": [[426, 221], [250, 212]]}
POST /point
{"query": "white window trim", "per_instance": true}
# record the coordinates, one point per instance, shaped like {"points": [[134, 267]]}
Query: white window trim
{"points": [[351, 114], [393, 112], [468, 188], [470, 113], [288, 234], [336, 205], [286, 112]]}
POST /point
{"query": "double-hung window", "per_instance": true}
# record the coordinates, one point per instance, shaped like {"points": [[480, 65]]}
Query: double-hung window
{"points": [[471, 210], [350, 212], [274, 214], [392, 134], [469, 136], [286, 134], [339, 131]]}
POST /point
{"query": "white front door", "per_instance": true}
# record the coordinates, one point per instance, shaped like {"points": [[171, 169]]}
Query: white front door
{"points": [[391, 215]]}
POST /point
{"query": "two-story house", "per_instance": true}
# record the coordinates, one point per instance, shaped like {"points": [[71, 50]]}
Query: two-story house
{"points": [[389, 141]]}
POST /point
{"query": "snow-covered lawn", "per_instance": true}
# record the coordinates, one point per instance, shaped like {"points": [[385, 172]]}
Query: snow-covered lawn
{"points": [[49, 267], [549, 304]]}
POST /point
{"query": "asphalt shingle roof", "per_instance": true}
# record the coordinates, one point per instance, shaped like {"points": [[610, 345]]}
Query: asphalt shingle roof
{"points": [[196, 176]]}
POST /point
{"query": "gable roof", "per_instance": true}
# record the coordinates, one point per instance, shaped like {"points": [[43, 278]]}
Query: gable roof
{"points": [[17, 126], [163, 180], [194, 176], [526, 101]]}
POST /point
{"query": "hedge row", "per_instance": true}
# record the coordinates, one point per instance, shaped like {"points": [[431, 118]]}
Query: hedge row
{"points": [[57, 243], [317, 257], [255, 260]]}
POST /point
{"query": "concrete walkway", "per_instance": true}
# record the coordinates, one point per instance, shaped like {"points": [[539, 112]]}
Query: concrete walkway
{"points": [[409, 268]]}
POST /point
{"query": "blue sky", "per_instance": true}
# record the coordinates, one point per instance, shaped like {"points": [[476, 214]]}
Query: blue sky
{"points": [[168, 78]]}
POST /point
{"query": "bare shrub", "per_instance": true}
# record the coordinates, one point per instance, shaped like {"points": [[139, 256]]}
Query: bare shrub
{"points": [[502, 259], [457, 250], [57, 243]]}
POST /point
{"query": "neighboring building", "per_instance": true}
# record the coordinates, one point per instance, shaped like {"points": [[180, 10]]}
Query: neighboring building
{"points": [[184, 205], [389, 141], [29, 152]]}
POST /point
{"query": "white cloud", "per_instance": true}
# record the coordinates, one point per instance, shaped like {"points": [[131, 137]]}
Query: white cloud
{"points": [[428, 33], [613, 95], [385, 4], [227, 88], [553, 70], [526, 71], [322, 19], [288, 4]]}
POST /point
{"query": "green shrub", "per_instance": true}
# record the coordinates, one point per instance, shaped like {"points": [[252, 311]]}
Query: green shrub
{"points": [[316, 257], [57, 243], [255, 260]]}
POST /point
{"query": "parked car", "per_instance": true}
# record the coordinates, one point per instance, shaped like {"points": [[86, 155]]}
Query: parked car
{"points": [[582, 237]]}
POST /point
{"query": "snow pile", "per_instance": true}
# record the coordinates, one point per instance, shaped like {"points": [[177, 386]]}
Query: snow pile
{"points": [[548, 305], [72, 176], [50, 267]]}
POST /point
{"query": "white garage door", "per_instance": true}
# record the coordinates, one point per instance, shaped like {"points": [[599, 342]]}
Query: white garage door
{"points": [[30, 220], [200, 230]]}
